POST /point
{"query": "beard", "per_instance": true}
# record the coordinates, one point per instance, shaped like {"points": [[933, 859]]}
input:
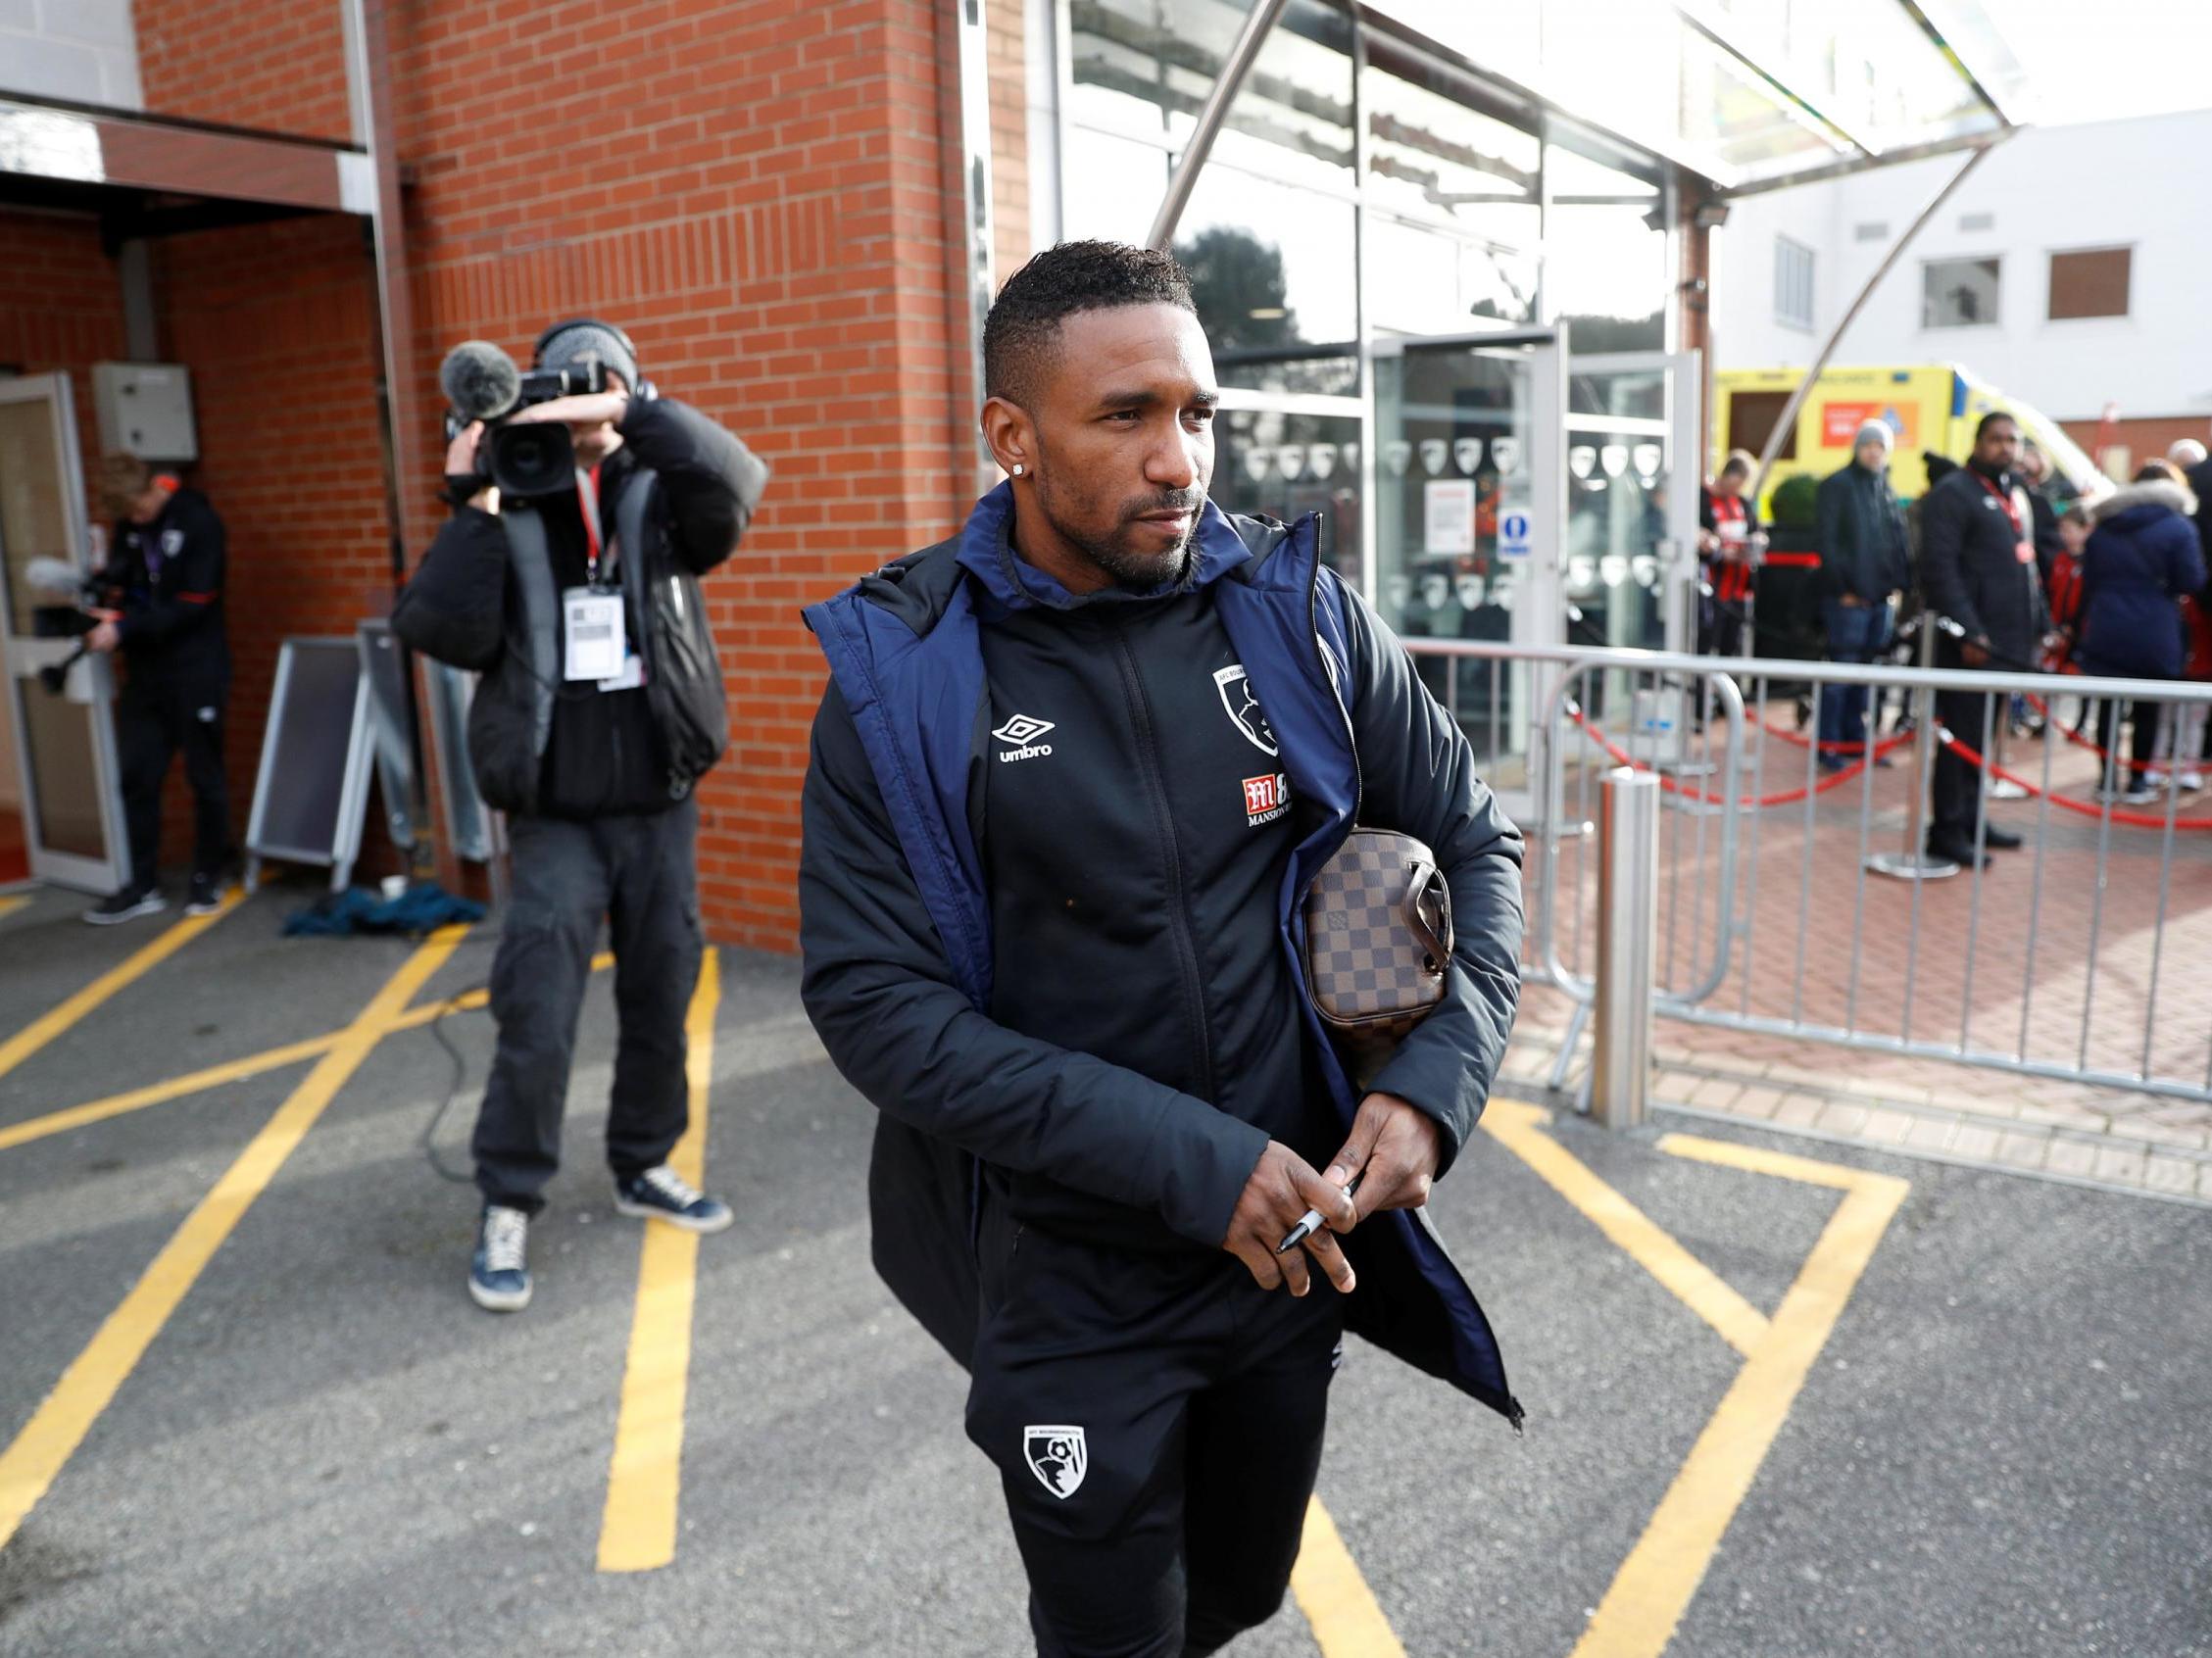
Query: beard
{"points": [[1131, 566]]}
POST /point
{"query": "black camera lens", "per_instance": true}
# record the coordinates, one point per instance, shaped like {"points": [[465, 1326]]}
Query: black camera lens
{"points": [[538, 459]]}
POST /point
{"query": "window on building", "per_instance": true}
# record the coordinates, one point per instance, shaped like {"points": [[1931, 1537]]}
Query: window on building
{"points": [[2090, 282], [1958, 293], [1792, 283]]}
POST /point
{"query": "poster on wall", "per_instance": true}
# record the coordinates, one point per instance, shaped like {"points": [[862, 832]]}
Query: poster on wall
{"points": [[1448, 516]]}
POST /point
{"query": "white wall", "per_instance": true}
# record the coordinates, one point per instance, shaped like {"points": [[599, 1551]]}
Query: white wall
{"points": [[2137, 184], [85, 50]]}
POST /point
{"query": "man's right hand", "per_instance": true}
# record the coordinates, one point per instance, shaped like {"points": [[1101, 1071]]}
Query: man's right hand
{"points": [[461, 462], [1974, 652], [1282, 1188]]}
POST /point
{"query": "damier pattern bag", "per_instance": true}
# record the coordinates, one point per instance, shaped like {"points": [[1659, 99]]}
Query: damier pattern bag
{"points": [[1378, 940]]}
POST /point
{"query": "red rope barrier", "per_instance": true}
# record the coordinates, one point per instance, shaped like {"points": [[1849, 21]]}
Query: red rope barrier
{"points": [[1835, 780], [2137, 819]]}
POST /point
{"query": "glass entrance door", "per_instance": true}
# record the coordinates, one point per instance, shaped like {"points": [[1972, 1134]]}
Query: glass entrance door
{"points": [[1630, 572], [64, 739], [1468, 503]]}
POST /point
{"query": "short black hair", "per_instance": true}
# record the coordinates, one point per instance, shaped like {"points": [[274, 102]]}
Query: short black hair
{"points": [[1057, 284], [1990, 419]]}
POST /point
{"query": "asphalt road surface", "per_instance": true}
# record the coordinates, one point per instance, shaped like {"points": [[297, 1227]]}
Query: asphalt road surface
{"points": [[1810, 1408]]}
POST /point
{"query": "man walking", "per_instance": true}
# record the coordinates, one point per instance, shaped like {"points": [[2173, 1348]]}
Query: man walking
{"points": [[601, 706], [1978, 573], [1863, 567], [1073, 772]]}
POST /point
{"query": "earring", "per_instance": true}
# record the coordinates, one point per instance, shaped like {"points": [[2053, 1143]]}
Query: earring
{"points": [[1017, 468]]}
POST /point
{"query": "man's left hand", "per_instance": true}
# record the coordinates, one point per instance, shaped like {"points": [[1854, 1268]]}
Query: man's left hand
{"points": [[592, 409], [1397, 1144]]}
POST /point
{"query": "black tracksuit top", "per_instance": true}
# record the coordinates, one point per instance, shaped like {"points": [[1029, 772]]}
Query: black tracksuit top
{"points": [[1136, 828]]}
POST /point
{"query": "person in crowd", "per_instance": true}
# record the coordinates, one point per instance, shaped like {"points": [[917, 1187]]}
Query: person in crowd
{"points": [[2185, 453], [1072, 771], [1978, 581], [2140, 560], [1726, 523], [162, 609], [1863, 564], [601, 706], [2036, 479]]}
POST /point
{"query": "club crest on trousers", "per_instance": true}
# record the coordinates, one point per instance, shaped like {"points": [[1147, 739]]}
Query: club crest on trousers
{"points": [[1058, 1455]]}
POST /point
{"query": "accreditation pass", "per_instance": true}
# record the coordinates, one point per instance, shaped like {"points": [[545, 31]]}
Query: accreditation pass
{"points": [[593, 625]]}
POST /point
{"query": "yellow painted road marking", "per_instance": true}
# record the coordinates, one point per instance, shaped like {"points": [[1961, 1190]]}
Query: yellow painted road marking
{"points": [[9, 905], [1335, 1599], [1698, 1286], [45, 1028], [637, 1532], [29, 1465], [233, 1070], [1655, 1582]]}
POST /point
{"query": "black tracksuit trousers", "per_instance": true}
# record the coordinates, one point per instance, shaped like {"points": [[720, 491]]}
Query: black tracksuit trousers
{"points": [[636, 869], [1157, 1419], [153, 721]]}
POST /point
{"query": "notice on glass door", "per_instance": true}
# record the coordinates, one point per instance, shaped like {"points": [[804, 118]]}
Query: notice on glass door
{"points": [[1448, 516]]}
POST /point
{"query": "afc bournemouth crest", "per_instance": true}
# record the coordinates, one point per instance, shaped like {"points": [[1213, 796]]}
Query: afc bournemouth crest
{"points": [[1057, 1456], [1244, 708]]}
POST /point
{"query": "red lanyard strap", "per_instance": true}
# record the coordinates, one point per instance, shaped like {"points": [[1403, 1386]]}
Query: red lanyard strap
{"points": [[588, 502]]}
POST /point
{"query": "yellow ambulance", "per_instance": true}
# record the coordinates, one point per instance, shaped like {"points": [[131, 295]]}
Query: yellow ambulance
{"points": [[1930, 405]]}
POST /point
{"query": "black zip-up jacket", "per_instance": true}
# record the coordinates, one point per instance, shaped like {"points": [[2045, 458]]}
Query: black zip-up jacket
{"points": [[537, 744], [1970, 568], [1142, 1043], [166, 579], [1861, 531]]}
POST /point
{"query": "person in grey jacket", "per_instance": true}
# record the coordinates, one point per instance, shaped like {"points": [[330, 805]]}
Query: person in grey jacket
{"points": [[1863, 567]]}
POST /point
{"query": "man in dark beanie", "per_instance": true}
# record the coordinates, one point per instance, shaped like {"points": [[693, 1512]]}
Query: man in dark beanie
{"points": [[601, 706]]}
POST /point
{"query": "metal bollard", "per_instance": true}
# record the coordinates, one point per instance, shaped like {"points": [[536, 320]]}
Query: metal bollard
{"points": [[1628, 924], [1915, 863]]}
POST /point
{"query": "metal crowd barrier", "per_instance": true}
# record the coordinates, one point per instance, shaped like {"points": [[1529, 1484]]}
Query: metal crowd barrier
{"points": [[1797, 901]]}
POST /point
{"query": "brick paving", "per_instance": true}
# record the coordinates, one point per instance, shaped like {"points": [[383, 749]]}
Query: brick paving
{"points": [[2077, 977]]}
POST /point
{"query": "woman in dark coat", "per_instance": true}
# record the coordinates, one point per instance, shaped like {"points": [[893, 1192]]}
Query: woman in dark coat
{"points": [[2141, 557]]}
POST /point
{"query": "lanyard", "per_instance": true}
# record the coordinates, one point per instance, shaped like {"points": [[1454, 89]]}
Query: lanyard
{"points": [[587, 499], [2011, 507]]}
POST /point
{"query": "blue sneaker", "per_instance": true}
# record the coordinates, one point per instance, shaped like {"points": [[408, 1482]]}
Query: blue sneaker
{"points": [[660, 1194], [499, 1278]]}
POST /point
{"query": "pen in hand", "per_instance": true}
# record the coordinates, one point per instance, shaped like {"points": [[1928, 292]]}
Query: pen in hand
{"points": [[1310, 1222]]}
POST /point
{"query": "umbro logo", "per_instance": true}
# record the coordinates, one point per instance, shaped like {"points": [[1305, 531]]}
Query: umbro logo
{"points": [[1022, 733]]}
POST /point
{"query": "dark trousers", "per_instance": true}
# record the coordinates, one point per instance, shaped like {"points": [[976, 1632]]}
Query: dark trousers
{"points": [[1955, 794], [152, 723], [637, 871], [2142, 737], [1158, 1426]]}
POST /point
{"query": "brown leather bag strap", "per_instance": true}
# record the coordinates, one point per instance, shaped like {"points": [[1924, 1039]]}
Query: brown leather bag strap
{"points": [[1428, 912]]}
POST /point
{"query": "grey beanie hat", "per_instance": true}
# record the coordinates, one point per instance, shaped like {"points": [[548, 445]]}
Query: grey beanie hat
{"points": [[1879, 430], [582, 342]]}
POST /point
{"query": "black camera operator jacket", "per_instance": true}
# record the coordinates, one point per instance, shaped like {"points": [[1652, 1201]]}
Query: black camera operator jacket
{"points": [[166, 578], [677, 496]]}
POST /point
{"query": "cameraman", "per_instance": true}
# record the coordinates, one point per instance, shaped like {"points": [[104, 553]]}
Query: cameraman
{"points": [[162, 608], [594, 768]]}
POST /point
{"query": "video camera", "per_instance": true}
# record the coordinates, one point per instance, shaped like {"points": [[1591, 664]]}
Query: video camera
{"points": [[71, 619], [482, 384]]}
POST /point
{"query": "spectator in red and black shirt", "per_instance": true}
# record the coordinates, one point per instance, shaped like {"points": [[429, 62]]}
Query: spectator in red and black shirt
{"points": [[162, 594], [1726, 525]]}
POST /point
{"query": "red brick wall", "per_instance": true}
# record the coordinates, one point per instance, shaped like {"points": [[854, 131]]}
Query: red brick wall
{"points": [[2145, 437], [61, 307], [276, 323], [757, 199], [273, 64]]}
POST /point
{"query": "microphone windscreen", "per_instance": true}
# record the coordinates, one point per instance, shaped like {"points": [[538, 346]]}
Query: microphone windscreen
{"points": [[480, 379], [52, 575]]}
